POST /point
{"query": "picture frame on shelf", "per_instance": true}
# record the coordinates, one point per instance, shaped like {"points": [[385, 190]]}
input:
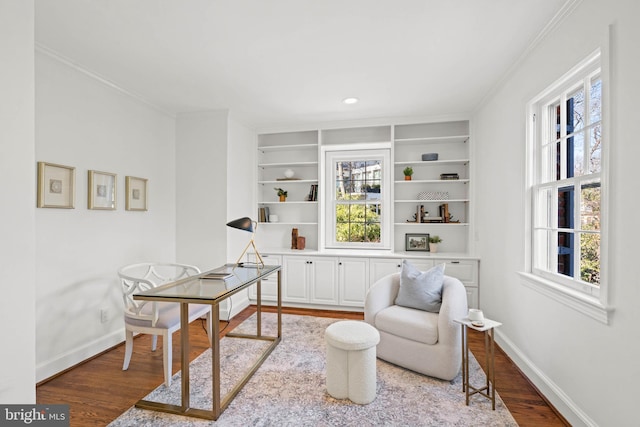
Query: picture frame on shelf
{"points": [[416, 242], [136, 189], [56, 186], [102, 190]]}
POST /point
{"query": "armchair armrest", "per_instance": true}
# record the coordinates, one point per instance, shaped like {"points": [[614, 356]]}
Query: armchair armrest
{"points": [[454, 306], [381, 295]]}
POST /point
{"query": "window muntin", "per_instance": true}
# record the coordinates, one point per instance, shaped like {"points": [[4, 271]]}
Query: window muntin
{"points": [[566, 190], [357, 200], [356, 203]]}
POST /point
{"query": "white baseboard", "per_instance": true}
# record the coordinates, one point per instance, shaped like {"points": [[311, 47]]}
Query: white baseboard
{"points": [[71, 358], [52, 367], [238, 303], [554, 394]]}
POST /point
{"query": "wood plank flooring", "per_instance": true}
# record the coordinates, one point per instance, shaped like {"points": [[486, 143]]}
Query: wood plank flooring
{"points": [[98, 390]]}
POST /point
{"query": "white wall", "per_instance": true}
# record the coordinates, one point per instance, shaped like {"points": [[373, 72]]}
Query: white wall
{"points": [[241, 178], [85, 123], [17, 173], [201, 157], [589, 370]]}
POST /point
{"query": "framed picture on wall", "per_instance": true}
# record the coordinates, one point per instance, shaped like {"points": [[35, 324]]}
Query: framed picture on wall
{"points": [[56, 186], [416, 242], [136, 189], [102, 190]]}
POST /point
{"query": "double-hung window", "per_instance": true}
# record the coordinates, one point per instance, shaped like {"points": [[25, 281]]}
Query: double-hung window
{"points": [[566, 147], [356, 200]]}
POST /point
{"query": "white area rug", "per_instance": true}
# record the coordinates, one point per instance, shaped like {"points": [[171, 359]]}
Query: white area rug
{"points": [[289, 388]]}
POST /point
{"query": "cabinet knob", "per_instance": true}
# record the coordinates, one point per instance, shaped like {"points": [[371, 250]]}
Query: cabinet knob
{"points": [[339, 263]]}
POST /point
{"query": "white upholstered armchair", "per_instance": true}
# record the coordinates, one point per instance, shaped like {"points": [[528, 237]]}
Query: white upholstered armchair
{"points": [[422, 341], [156, 318]]}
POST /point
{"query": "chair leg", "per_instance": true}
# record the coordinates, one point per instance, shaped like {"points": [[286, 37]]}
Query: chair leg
{"points": [[154, 343], [167, 356], [128, 349]]}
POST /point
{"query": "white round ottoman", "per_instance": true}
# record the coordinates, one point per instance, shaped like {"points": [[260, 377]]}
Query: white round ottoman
{"points": [[351, 360]]}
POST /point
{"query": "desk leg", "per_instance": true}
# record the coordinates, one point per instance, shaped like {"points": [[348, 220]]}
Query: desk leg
{"points": [[184, 347], [215, 361], [259, 307]]}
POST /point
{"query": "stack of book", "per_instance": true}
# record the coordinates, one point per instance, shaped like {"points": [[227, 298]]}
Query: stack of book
{"points": [[313, 193], [449, 176], [263, 214]]}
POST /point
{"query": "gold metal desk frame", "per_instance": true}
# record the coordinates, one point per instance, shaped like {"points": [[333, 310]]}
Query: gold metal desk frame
{"points": [[212, 290], [489, 389]]}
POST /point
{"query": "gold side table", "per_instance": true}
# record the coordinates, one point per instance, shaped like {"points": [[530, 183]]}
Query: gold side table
{"points": [[489, 389]]}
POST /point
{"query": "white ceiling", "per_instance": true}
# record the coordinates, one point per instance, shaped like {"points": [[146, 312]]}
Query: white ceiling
{"points": [[278, 62]]}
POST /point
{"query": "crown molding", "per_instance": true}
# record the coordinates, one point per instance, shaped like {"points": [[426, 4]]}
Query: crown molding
{"points": [[45, 50], [562, 14]]}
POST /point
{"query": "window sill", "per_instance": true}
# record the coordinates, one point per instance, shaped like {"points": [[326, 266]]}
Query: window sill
{"points": [[583, 303]]}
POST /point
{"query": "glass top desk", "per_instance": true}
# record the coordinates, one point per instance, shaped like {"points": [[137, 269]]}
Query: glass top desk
{"points": [[213, 287]]}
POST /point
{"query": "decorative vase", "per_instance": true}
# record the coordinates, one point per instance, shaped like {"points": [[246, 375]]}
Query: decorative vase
{"points": [[288, 173], [407, 177], [301, 243], [283, 198], [433, 247]]}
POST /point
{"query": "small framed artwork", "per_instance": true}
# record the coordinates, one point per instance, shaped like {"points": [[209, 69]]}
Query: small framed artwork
{"points": [[56, 186], [102, 190], [136, 194], [416, 242]]}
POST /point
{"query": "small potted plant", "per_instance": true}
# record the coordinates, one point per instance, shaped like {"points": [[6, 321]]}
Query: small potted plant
{"points": [[408, 171], [433, 243], [282, 194]]}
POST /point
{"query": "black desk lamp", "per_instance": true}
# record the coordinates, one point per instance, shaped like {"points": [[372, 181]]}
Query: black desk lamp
{"points": [[246, 224]]}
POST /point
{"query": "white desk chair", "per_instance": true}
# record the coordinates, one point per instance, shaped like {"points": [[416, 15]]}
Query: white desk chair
{"points": [[156, 318]]}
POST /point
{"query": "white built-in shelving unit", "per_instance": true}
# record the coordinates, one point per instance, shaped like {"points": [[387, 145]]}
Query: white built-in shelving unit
{"points": [[450, 140], [330, 278], [278, 152]]}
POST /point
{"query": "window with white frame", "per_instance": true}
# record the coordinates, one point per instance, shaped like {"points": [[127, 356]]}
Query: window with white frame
{"points": [[566, 164], [356, 202]]}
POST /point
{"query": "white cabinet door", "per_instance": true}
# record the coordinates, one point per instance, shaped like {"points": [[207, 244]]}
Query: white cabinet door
{"points": [[269, 284], [296, 279], [467, 272], [323, 280], [380, 267], [423, 264], [354, 281], [472, 297]]}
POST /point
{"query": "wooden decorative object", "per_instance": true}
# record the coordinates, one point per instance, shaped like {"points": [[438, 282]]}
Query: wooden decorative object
{"points": [[301, 243], [294, 238]]}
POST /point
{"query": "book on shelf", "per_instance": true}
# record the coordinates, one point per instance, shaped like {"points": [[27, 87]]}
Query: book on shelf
{"points": [[313, 193], [430, 219], [444, 212], [445, 176]]}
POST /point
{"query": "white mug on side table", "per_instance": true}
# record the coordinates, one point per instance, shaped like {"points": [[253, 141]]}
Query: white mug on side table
{"points": [[476, 317]]}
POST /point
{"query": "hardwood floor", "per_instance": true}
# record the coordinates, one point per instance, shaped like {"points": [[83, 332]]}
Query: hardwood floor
{"points": [[98, 391]]}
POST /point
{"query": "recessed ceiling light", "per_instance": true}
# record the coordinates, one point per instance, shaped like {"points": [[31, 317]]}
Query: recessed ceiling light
{"points": [[350, 101]]}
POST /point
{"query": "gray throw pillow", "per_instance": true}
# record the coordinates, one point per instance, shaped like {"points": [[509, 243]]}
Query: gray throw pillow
{"points": [[420, 290]]}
